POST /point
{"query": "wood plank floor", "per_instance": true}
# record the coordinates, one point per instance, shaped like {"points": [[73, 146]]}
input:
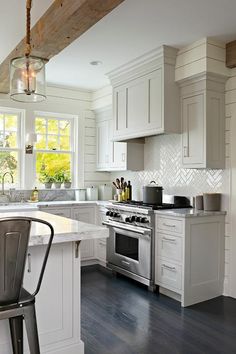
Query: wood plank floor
{"points": [[120, 316]]}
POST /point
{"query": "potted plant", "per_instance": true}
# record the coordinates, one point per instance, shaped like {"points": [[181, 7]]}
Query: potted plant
{"points": [[59, 179], [67, 180], [46, 179]]}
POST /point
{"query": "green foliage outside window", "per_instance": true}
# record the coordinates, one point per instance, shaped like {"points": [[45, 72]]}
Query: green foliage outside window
{"points": [[8, 140], [53, 135]]}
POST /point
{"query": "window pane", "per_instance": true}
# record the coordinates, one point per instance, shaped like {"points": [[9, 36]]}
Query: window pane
{"points": [[64, 143], [52, 142], [64, 127], [40, 125], [52, 126], [41, 142], [8, 163], [10, 140], [11, 122], [1, 139], [50, 163]]}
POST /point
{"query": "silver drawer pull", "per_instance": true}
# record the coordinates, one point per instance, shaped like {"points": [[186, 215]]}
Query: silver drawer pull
{"points": [[169, 267], [126, 263], [169, 239], [29, 263], [169, 225]]}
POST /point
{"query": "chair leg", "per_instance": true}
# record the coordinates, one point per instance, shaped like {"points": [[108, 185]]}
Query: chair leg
{"points": [[16, 328], [31, 329]]}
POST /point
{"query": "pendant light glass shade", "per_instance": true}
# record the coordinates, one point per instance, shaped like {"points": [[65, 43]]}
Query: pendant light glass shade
{"points": [[27, 79]]}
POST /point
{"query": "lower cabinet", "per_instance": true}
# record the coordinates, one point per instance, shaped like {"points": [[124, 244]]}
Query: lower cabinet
{"points": [[90, 250], [85, 214], [101, 244], [189, 257]]}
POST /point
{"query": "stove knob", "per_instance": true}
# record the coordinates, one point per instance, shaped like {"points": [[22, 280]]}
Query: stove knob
{"points": [[128, 219], [108, 213], [144, 220], [116, 215], [111, 213], [138, 218], [133, 218]]}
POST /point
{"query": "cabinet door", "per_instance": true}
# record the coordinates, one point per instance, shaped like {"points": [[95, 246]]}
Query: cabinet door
{"points": [[101, 243], [118, 152], [65, 212], [103, 143], [193, 137], [85, 214]]}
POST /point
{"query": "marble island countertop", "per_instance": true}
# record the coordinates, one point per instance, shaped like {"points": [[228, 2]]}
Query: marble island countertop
{"points": [[24, 206], [188, 212], [66, 230]]}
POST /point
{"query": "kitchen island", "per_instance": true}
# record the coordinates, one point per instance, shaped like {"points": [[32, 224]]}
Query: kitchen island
{"points": [[58, 302]]}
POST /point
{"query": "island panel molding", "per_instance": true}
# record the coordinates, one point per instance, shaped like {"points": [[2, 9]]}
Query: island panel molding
{"points": [[62, 23]]}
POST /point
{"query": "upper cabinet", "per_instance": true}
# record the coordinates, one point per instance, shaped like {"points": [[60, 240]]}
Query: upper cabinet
{"points": [[203, 119], [145, 96], [115, 156]]}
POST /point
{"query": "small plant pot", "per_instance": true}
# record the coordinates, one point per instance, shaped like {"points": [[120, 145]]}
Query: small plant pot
{"points": [[67, 184], [57, 185], [48, 185]]}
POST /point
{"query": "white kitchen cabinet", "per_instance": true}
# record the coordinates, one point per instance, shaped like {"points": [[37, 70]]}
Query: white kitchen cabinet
{"points": [[101, 244], [114, 156], [85, 214], [103, 151], [81, 213], [189, 257], [65, 212], [145, 96], [203, 117]]}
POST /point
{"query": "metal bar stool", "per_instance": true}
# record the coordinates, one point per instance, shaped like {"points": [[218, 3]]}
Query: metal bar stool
{"points": [[17, 304]]}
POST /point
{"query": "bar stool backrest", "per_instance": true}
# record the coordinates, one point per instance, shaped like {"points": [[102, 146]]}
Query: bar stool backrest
{"points": [[14, 240]]}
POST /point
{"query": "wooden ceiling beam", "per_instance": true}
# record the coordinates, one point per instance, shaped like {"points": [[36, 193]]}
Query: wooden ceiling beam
{"points": [[231, 54], [61, 24]]}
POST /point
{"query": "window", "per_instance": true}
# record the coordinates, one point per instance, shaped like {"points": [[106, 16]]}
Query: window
{"points": [[54, 148], [10, 144]]}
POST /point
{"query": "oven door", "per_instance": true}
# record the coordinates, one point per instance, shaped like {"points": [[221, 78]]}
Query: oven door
{"points": [[130, 249]]}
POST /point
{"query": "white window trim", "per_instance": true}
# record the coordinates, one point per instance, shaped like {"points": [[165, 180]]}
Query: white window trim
{"points": [[21, 141], [76, 144]]}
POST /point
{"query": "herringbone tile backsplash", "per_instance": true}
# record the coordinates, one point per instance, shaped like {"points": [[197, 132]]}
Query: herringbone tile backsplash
{"points": [[163, 165]]}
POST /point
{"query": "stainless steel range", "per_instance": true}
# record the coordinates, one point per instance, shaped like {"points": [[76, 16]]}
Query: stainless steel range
{"points": [[130, 246]]}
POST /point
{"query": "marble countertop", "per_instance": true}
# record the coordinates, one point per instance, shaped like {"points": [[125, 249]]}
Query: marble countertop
{"points": [[188, 212], [66, 230], [18, 206], [35, 206]]}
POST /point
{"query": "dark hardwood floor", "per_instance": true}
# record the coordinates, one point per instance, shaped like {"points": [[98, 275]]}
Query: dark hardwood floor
{"points": [[120, 316]]}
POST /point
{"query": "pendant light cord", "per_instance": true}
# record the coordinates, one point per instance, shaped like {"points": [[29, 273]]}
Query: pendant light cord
{"points": [[28, 20]]}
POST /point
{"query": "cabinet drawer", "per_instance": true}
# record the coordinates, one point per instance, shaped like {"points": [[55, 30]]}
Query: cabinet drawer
{"points": [[168, 275], [168, 224], [169, 246]]}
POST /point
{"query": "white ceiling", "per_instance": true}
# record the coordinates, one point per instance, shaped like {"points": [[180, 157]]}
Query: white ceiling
{"points": [[133, 28]]}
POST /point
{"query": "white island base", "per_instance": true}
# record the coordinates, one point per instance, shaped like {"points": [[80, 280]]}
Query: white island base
{"points": [[58, 302]]}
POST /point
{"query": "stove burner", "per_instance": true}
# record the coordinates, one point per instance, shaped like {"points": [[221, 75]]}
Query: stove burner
{"points": [[140, 204]]}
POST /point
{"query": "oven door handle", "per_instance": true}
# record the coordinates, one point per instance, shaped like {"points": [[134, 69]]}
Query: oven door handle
{"points": [[128, 228]]}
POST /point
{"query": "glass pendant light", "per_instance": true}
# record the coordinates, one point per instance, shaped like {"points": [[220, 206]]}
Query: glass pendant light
{"points": [[27, 73]]}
